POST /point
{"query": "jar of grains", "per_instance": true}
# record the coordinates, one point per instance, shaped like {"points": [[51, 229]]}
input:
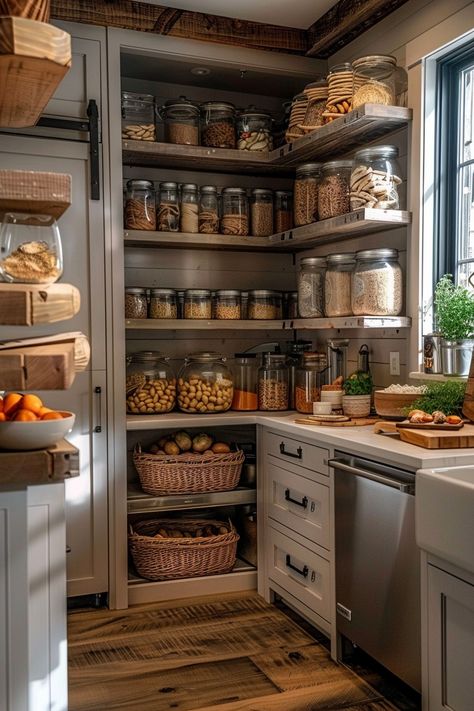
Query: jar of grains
{"points": [[136, 302], [339, 91], [228, 304], [333, 197], [138, 117], [264, 304], [168, 208], [218, 124], [140, 210], [150, 384], [375, 178], [163, 303], [317, 93], [273, 383], [197, 304], [189, 208], [261, 212], [254, 130], [311, 287], [283, 210], [245, 382], [181, 120], [377, 283], [374, 80], [205, 384], [337, 284], [235, 219], [208, 210], [30, 250], [308, 382], [306, 193]]}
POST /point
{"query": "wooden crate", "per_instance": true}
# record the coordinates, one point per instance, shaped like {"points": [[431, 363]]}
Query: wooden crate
{"points": [[34, 192]]}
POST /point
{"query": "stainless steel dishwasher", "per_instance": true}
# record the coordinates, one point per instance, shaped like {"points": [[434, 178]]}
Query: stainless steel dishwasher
{"points": [[378, 563]]}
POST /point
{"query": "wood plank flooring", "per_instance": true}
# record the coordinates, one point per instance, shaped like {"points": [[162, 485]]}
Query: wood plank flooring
{"points": [[235, 653]]}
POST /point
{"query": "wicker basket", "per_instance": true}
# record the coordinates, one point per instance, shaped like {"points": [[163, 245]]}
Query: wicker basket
{"points": [[162, 474], [169, 558]]}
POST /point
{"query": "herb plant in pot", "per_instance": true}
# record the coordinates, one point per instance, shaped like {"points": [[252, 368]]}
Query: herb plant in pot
{"points": [[454, 308], [357, 393]]}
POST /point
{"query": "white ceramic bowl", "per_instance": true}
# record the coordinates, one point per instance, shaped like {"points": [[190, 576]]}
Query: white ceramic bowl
{"points": [[322, 408], [332, 396], [35, 435]]}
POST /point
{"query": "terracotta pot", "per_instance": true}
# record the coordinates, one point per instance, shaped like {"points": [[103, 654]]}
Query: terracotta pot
{"points": [[356, 405], [31, 9]]}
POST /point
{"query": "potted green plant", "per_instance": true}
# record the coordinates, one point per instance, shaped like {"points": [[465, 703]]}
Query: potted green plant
{"points": [[454, 310], [357, 393]]}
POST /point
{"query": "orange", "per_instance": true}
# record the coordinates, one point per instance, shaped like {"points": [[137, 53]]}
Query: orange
{"points": [[1, 404], [43, 411], [3, 417], [24, 416], [52, 416], [11, 403], [32, 403]]}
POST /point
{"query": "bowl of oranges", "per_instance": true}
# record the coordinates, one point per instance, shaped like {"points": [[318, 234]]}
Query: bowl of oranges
{"points": [[25, 423]]}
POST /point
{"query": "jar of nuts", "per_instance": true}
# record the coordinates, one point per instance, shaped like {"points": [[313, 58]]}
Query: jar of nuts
{"points": [[140, 210], [150, 384], [261, 212], [234, 220], [218, 124], [333, 196], [181, 119], [228, 304], [273, 383], [163, 303], [205, 384], [307, 180], [197, 304], [208, 210], [283, 210], [264, 304], [136, 303], [138, 117]]}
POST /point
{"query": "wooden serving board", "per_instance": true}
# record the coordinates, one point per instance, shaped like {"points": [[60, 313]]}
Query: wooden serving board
{"points": [[439, 439], [428, 426], [39, 466], [356, 422]]}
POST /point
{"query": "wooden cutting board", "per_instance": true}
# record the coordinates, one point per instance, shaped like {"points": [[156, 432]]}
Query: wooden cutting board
{"points": [[439, 439], [356, 422], [39, 466]]}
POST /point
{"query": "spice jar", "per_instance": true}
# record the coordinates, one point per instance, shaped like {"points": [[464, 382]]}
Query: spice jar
{"points": [[245, 382], [197, 304], [375, 178], [337, 284], [235, 219], [150, 384], [377, 283], [30, 249], [309, 379], [339, 91], [261, 212], [140, 210], [254, 130], [283, 210], [163, 303], [311, 287], [208, 210], [317, 93], [168, 208], [218, 124], [136, 302], [189, 209], [181, 120], [228, 304], [307, 181], [138, 117], [273, 383], [333, 196], [374, 80], [264, 304], [205, 384]]}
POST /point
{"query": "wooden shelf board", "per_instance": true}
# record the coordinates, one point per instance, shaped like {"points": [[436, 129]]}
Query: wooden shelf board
{"points": [[203, 325], [185, 240], [39, 466], [139, 502], [181, 420], [436, 377], [34, 192], [351, 322], [30, 304]]}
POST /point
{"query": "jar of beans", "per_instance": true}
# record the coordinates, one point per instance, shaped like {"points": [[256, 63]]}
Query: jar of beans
{"points": [[189, 217], [235, 217], [138, 117], [163, 303], [208, 210], [197, 304], [273, 383], [136, 302], [254, 130], [218, 124], [283, 210], [205, 384], [375, 178], [168, 208], [181, 120], [311, 287], [228, 304], [261, 212], [307, 181], [333, 196], [264, 304], [150, 384], [140, 211], [337, 284]]}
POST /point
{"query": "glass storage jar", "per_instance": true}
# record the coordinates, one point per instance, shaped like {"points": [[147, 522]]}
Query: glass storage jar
{"points": [[309, 379], [264, 304], [138, 117], [294, 356], [311, 287], [261, 212], [333, 195], [292, 305], [218, 124], [235, 217], [168, 208], [374, 80], [377, 288], [205, 384], [245, 382], [150, 384], [208, 210], [228, 304], [339, 91], [337, 284], [197, 304], [136, 302], [180, 295], [189, 221], [273, 383], [375, 178], [30, 249], [307, 181], [283, 210], [181, 120], [163, 303], [244, 304], [317, 93], [254, 129], [140, 209], [297, 114]]}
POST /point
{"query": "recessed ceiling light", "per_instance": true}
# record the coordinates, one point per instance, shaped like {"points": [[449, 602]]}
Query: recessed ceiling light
{"points": [[200, 71]]}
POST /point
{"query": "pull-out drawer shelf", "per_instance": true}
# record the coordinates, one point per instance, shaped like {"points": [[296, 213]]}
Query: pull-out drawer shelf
{"points": [[301, 454]]}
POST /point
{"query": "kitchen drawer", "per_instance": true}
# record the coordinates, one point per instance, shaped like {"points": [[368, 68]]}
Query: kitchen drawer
{"points": [[301, 572], [291, 450], [299, 503]]}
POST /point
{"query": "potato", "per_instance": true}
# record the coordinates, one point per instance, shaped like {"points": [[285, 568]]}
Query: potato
{"points": [[162, 533], [222, 530], [154, 449], [202, 442], [171, 448], [162, 441], [183, 440], [220, 448]]}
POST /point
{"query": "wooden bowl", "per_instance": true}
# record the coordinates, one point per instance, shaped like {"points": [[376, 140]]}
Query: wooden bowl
{"points": [[393, 404]]}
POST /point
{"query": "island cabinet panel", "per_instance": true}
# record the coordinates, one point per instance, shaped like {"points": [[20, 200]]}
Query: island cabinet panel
{"points": [[291, 450]]}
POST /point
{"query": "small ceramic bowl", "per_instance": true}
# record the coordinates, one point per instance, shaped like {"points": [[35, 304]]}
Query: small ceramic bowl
{"points": [[332, 396], [322, 408]]}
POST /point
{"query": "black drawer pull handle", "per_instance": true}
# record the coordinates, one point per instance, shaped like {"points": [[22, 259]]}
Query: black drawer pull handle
{"points": [[303, 503], [298, 455], [303, 572]]}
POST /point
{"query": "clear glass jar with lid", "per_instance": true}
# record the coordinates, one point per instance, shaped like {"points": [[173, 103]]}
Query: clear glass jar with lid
{"points": [[375, 178], [307, 181], [296, 117], [228, 305], [140, 209], [254, 129], [337, 284], [292, 305], [283, 210], [333, 195], [150, 384], [208, 210], [339, 91], [30, 249], [261, 212], [311, 287], [273, 383], [245, 382], [295, 350], [136, 302], [374, 80], [377, 285], [197, 304], [181, 120], [189, 208], [235, 212], [317, 93], [264, 304], [309, 379], [218, 124], [168, 208], [138, 117], [163, 303], [205, 384]]}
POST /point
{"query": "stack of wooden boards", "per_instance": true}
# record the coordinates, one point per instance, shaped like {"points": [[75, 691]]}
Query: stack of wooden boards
{"points": [[430, 438]]}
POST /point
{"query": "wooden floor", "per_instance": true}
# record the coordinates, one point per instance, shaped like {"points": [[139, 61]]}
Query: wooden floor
{"points": [[235, 653]]}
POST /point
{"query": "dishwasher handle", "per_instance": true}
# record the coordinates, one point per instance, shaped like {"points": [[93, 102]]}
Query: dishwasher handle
{"points": [[407, 488]]}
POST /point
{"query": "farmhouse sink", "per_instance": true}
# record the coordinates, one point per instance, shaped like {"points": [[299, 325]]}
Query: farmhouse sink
{"points": [[444, 505]]}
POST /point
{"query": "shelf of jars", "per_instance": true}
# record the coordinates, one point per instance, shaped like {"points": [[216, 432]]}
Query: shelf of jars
{"points": [[139, 502], [184, 324], [343, 322], [186, 240]]}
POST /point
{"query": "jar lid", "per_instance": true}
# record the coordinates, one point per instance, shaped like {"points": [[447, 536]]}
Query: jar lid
{"points": [[245, 355], [205, 356], [262, 191], [133, 96], [341, 258], [198, 292], [208, 189], [259, 293], [163, 292], [217, 106], [147, 356], [384, 253], [168, 186], [228, 292], [386, 151], [314, 355], [275, 357], [308, 168], [343, 67], [283, 193], [234, 191], [190, 186], [334, 164], [252, 111], [181, 103], [137, 290], [313, 262], [374, 59], [139, 183]]}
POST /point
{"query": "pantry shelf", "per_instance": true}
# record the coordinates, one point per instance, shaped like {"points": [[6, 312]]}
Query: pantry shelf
{"points": [[187, 240], [39, 466], [203, 325], [181, 420], [310, 324], [139, 502]]}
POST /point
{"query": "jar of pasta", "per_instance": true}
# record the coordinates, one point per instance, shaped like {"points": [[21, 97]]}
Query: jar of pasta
{"points": [[273, 383], [218, 124], [307, 181], [168, 208], [374, 80], [375, 179], [235, 217], [140, 210], [138, 117], [189, 218], [208, 210], [254, 129]]}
